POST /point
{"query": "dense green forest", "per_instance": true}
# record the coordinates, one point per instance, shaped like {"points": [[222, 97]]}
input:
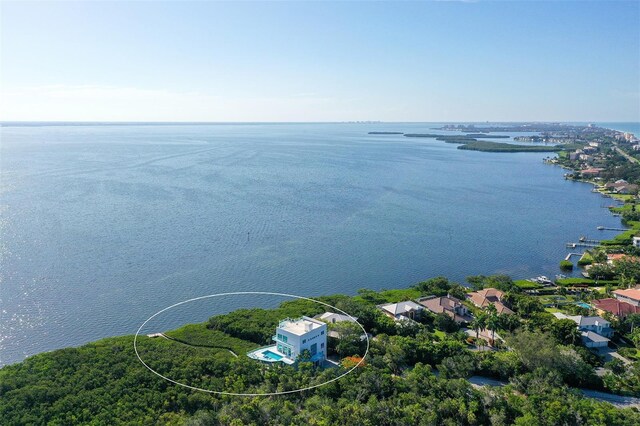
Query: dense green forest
{"points": [[413, 375], [488, 146]]}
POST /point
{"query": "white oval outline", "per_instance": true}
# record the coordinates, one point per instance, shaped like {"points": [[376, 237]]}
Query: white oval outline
{"points": [[135, 341]]}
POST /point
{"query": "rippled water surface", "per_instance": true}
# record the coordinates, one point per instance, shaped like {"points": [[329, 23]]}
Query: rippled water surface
{"points": [[104, 225]]}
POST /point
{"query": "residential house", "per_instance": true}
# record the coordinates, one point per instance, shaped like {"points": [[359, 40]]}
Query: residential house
{"points": [[621, 186], [615, 307], [293, 336], [402, 310], [589, 323], [447, 305], [593, 171], [489, 296], [332, 318], [612, 258], [631, 296], [593, 340]]}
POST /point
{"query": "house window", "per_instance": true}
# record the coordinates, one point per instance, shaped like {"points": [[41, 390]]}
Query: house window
{"points": [[322, 345], [284, 338], [304, 341], [279, 336], [322, 332]]}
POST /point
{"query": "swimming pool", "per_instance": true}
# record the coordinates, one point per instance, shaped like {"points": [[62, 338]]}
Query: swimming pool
{"points": [[271, 355], [583, 305]]}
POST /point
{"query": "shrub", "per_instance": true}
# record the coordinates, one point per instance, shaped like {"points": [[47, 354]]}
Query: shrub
{"points": [[566, 265]]}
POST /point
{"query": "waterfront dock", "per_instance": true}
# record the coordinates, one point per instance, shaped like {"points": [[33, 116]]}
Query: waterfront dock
{"points": [[606, 228], [582, 244]]}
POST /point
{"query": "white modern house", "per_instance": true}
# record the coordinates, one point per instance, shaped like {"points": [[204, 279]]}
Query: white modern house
{"points": [[292, 337]]}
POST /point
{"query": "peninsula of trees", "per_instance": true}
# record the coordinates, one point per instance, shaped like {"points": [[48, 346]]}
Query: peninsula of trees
{"points": [[417, 370]]}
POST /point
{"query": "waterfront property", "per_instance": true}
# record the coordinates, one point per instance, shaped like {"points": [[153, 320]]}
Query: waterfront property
{"points": [[615, 307], [489, 296], [402, 310], [447, 305], [293, 337], [332, 318], [631, 296]]}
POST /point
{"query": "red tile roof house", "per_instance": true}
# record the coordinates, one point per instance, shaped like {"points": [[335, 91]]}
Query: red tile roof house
{"points": [[615, 257], [595, 171], [631, 296], [616, 307], [489, 296], [446, 305]]}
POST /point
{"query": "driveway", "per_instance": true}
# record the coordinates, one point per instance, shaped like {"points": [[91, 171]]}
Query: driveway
{"points": [[616, 400]]}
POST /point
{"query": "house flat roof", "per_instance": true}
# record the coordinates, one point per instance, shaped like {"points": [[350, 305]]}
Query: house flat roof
{"points": [[300, 326]]}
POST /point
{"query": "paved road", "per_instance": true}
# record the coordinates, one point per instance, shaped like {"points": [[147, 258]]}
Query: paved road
{"points": [[617, 400], [624, 154]]}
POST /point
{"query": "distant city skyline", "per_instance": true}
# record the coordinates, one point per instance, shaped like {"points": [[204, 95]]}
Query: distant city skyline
{"points": [[442, 61]]}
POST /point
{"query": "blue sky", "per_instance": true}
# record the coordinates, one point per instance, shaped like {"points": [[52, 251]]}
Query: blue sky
{"points": [[320, 61]]}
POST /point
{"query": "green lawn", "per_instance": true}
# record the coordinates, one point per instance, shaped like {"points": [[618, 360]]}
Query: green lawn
{"points": [[588, 281], [200, 335], [527, 285], [393, 296]]}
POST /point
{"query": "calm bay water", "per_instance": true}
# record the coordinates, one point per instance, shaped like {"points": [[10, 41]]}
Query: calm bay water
{"points": [[102, 226]]}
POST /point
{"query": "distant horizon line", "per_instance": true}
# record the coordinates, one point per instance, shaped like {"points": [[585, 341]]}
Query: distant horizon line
{"points": [[118, 122]]}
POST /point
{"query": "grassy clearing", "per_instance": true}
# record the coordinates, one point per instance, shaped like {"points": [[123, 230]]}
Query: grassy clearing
{"points": [[527, 285], [566, 265], [587, 281], [200, 335], [586, 259]]}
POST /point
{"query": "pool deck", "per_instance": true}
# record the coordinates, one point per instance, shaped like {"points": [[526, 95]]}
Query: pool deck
{"points": [[260, 355]]}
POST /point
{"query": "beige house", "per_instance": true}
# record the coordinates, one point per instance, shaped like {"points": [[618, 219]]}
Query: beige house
{"points": [[489, 296], [447, 305]]}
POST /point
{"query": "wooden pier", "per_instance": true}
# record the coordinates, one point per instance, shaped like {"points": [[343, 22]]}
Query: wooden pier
{"points": [[605, 228], [582, 244], [587, 240]]}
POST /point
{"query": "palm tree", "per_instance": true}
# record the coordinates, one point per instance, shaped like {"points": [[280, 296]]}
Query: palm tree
{"points": [[481, 343], [493, 320], [479, 322]]}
